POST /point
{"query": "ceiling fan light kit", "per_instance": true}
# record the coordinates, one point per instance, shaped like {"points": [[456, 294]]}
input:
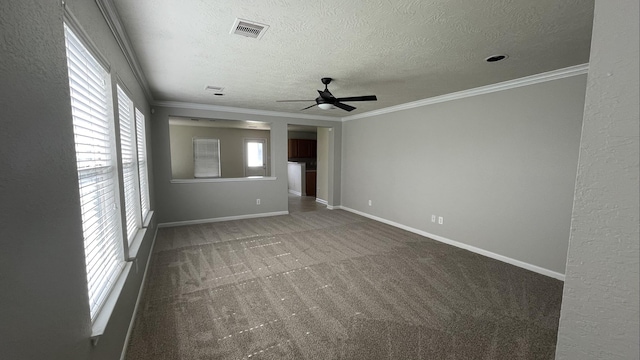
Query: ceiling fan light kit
{"points": [[327, 101]]}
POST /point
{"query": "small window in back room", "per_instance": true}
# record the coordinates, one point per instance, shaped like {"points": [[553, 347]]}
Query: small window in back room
{"points": [[206, 157], [255, 154], [255, 157]]}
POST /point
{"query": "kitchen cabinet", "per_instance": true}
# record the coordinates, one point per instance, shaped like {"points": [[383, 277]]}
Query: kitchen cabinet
{"points": [[310, 179], [302, 148], [306, 148], [293, 148]]}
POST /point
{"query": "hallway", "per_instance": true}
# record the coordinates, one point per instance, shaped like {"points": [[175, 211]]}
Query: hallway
{"points": [[304, 204]]}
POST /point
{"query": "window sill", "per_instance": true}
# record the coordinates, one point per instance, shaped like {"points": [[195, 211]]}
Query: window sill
{"points": [[147, 220], [219, 180], [100, 323], [134, 247]]}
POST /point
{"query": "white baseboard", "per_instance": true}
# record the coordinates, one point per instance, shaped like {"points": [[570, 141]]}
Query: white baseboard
{"points": [[135, 308], [323, 202], [224, 218], [297, 193], [508, 260]]}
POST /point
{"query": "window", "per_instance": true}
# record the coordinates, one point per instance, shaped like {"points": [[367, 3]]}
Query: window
{"points": [[142, 164], [97, 175], [255, 156], [130, 174], [206, 157]]}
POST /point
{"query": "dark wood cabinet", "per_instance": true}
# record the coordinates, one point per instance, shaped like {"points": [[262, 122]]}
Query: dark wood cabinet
{"points": [[293, 148], [310, 179], [302, 148], [306, 148]]}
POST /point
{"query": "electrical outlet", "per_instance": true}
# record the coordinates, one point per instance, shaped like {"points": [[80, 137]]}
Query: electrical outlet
{"points": [[440, 220], [370, 202], [257, 201], [433, 218]]}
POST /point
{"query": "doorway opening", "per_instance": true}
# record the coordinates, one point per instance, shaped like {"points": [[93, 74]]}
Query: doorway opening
{"points": [[308, 166], [255, 157]]}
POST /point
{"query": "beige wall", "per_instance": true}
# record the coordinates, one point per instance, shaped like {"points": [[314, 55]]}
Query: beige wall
{"points": [[322, 164], [231, 149]]}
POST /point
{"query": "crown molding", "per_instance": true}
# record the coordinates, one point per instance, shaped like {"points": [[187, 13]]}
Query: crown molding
{"points": [[196, 106], [108, 9], [506, 85]]}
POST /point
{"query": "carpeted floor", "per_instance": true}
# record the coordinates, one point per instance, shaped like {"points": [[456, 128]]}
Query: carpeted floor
{"points": [[329, 284]]}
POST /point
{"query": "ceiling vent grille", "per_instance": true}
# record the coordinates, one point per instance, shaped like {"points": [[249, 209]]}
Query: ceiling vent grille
{"points": [[248, 28], [214, 88]]}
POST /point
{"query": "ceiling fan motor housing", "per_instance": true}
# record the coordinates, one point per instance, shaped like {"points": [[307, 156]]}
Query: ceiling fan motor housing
{"points": [[321, 100]]}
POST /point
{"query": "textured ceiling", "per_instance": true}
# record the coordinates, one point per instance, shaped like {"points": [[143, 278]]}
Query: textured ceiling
{"points": [[399, 50]]}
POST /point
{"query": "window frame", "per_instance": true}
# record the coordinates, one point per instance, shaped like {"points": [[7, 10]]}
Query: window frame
{"points": [[108, 230], [129, 161], [204, 170], [245, 156], [143, 171]]}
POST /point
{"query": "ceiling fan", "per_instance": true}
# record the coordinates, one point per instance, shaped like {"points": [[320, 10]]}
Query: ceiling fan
{"points": [[326, 100]]}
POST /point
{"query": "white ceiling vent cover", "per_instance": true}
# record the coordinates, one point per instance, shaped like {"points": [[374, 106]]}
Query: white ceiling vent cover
{"points": [[214, 88], [248, 28]]}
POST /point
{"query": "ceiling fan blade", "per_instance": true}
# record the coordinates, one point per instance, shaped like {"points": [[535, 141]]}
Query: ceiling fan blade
{"points": [[292, 100], [308, 107], [359, 98], [326, 95], [344, 106]]}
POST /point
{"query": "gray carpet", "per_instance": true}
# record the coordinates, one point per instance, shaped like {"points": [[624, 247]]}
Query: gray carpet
{"points": [[334, 285]]}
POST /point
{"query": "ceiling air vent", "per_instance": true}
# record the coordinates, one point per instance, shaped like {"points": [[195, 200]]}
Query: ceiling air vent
{"points": [[217, 90], [248, 28], [214, 88]]}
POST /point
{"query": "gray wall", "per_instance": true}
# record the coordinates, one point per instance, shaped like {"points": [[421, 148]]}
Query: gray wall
{"points": [[231, 149], [599, 318], [499, 167], [44, 302], [322, 173], [178, 202]]}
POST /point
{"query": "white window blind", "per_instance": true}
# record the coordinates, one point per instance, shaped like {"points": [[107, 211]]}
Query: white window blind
{"points": [[206, 156], [129, 164], [97, 178], [142, 164]]}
